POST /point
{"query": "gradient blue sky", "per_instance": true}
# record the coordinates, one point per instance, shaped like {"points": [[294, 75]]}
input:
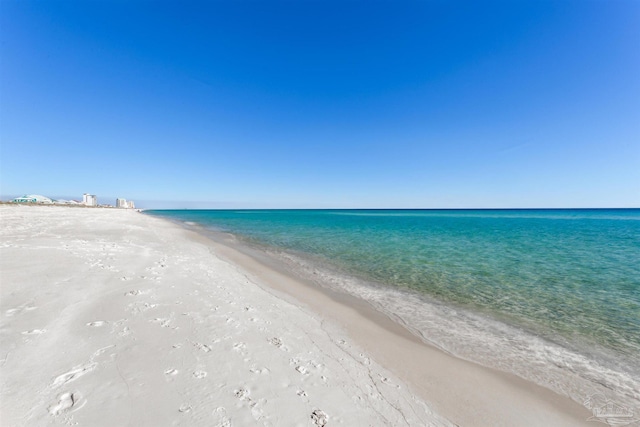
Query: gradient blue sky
{"points": [[323, 104]]}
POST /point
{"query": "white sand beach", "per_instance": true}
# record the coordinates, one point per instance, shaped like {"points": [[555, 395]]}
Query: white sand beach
{"points": [[115, 318]]}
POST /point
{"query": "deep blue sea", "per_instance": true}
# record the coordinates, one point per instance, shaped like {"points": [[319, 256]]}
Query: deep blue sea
{"points": [[550, 295]]}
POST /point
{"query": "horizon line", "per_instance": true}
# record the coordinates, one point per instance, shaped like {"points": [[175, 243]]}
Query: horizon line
{"points": [[383, 209]]}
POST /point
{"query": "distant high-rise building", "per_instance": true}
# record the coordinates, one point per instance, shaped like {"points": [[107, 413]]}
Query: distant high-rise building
{"points": [[89, 199], [122, 203]]}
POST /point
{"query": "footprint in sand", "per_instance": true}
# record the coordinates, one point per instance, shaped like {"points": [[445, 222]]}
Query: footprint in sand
{"points": [[241, 393], [202, 347], [199, 374], [141, 307], [97, 323], [185, 408], [66, 401], [73, 374], [20, 309], [34, 332], [262, 371], [319, 418], [276, 341], [241, 348], [365, 359], [165, 323]]}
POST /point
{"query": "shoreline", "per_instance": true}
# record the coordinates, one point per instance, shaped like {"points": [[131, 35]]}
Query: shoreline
{"points": [[114, 318], [511, 400], [568, 359]]}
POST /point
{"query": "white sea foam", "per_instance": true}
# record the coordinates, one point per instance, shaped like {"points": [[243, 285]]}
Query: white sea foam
{"points": [[478, 338]]}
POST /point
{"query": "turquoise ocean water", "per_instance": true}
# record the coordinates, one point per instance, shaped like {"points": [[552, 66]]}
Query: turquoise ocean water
{"points": [[550, 295]]}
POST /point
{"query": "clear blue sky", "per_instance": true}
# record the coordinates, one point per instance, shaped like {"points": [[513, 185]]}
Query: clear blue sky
{"points": [[323, 104]]}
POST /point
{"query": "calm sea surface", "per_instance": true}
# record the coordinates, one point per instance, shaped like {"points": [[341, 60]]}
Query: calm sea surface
{"points": [[551, 295]]}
